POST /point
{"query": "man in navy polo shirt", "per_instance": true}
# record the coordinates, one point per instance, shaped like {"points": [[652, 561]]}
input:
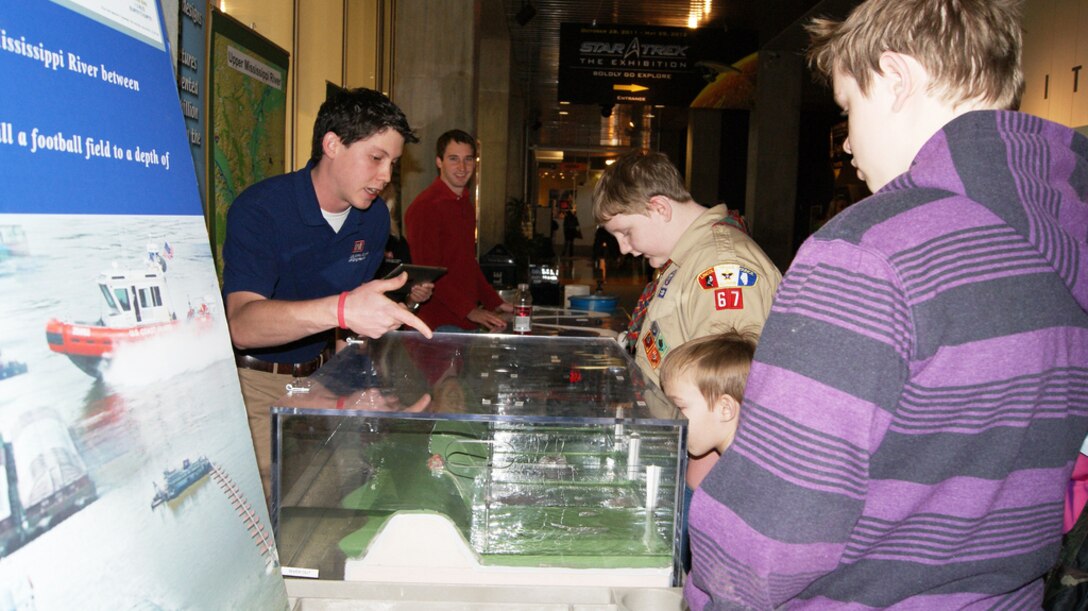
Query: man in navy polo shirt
{"points": [[301, 251]]}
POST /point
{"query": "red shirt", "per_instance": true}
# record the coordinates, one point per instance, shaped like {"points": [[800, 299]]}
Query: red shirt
{"points": [[441, 228]]}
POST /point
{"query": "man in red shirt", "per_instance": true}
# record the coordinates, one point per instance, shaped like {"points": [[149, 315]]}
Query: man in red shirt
{"points": [[441, 225]]}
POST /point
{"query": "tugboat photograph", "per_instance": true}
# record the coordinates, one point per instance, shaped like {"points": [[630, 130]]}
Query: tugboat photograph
{"points": [[177, 481]]}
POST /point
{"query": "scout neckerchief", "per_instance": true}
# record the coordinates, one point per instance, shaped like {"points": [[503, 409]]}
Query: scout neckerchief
{"points": [[734, 219], [638, 315]]}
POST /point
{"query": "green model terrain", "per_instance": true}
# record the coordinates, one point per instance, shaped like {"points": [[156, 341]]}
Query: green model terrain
{"points": [[522, 496]]}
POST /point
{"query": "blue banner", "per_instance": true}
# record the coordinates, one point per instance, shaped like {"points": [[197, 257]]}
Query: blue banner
{"points": [[90, 119], [127, 474]]}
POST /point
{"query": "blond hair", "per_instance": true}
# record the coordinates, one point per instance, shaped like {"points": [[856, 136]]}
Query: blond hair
{"points": [[970, 48], [628, 184], [718, 365]]}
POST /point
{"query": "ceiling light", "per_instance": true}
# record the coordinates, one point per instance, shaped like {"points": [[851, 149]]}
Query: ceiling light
{"points": [[542, 155]]}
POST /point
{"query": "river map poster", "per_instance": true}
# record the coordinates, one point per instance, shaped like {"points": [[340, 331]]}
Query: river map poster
{"points": [[247, 106], [127, 477]]}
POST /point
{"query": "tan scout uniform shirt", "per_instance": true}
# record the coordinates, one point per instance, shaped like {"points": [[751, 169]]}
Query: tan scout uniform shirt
{"points": [[718, 279]]}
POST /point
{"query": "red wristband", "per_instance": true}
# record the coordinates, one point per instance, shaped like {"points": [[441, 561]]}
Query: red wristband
{"points": [[340, 310]]}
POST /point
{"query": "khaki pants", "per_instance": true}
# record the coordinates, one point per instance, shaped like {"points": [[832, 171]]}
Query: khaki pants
{"points": [[260, 390]]}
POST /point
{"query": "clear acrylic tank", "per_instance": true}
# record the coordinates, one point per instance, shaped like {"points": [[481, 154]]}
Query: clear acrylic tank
{"points": [[549, 458]]}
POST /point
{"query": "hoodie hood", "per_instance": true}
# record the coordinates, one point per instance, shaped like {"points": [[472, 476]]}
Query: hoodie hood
{"points": [[1040, 190]]}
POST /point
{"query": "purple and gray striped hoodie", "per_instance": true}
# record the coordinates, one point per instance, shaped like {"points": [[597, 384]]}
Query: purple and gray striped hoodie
{"points": [[920, 391]]}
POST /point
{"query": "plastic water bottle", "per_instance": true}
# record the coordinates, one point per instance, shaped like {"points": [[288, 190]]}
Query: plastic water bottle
{"points": [[523, 310]]}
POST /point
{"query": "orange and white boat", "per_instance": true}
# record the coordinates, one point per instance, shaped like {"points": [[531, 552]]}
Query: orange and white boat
{"points": [[137, 307]]}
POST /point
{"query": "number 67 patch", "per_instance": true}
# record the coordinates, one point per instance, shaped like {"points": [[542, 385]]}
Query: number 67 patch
{"points": [[729, 299]]}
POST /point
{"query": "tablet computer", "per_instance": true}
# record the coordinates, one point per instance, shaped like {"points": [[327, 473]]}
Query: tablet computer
{"points": [[416, 273]]}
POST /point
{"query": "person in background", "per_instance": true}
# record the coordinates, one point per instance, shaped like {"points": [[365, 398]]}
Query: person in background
{"points": [[396, 250], [917, 399], [710, 273], [441, 230], [549, 248], [605, 249], [571, 232], [300, 254], [396, 246], [705, 378]]}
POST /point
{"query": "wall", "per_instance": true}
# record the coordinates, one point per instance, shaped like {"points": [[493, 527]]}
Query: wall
{"points": [[771, 190], [314, 33], [446, 64], [493, 123], [434, 74], [1056, 60], [452, 70]]}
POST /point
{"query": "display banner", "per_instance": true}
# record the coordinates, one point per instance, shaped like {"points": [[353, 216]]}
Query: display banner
{"points": [[638, 64], [192, 41], [127, 475], [248, 113]]}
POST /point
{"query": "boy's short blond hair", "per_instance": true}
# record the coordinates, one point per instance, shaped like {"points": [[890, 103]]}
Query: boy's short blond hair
{"points": [[970, 48], [628, 184], [718, 365]]}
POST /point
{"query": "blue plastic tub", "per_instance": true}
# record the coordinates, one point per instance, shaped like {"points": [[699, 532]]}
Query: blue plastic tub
{"points": [[595, 303]]}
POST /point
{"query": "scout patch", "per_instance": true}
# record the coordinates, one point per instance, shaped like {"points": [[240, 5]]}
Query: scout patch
{"points": [[650, 346], [725, 275], [729, 299], [655, 345], [745, 277], [659, 337], [665, 284], [708, 279]]}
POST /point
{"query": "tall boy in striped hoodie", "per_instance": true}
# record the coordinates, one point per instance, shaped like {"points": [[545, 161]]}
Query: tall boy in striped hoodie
{"points": [[920, 389]]}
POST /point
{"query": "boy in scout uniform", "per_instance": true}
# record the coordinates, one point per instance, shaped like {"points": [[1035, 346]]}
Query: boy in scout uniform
{"points": [[711, 276]]}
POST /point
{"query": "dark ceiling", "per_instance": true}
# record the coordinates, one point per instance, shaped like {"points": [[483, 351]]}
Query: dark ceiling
{"points": [[535, 55]]}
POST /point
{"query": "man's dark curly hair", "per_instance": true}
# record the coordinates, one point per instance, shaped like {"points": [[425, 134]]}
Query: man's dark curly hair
{"points": [[357, 114]]}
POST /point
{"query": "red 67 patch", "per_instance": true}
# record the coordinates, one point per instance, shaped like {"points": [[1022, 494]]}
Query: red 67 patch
{"points": [[729, 299]]}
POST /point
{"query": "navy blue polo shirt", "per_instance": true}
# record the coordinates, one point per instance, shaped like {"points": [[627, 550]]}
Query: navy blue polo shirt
{"points": [[280, 246]]}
